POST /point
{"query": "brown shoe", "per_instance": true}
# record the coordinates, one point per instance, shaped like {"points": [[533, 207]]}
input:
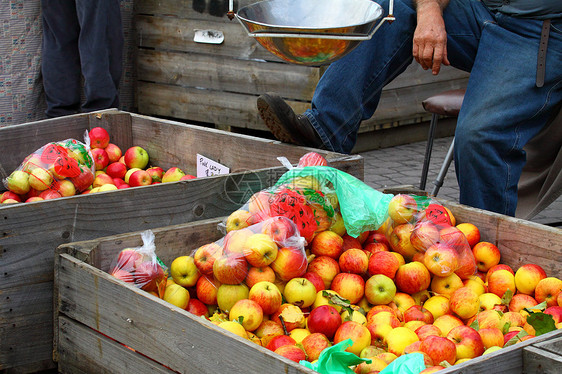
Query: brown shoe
{"points": [[284, 124]]}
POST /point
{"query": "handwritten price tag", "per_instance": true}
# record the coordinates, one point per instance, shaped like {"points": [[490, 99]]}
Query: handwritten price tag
{"points": [[207, 167]]}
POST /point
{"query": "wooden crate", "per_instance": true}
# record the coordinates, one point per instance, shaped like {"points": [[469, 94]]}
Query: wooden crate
{"points": [[92, 326], [30, 232], [219, 83]]}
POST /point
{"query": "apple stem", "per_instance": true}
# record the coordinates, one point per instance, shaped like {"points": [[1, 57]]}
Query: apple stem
{"points": [[283, 325]]}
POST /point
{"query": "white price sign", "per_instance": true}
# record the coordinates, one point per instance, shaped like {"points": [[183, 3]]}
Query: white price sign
{"points": [[207, 167]]}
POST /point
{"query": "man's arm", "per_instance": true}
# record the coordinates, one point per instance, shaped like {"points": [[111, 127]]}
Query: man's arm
{"points": [[430, 36]]}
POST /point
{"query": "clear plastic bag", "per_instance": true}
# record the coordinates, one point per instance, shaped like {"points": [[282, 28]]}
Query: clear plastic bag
{"points": [[422, 229], [57, 169], [141, 267]]}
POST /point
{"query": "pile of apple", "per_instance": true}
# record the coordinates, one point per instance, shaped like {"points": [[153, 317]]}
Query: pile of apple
{"points": [[419, 283], [67, 168]]}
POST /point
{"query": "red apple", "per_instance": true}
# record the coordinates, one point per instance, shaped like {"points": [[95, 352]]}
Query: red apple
{"points": [[316, 280], [399, 240], [556, 313], [324, 319], [467, 341], [136, 157], [205, 256], [280, 341], [101, 179], [486, 255], [349, 286], [50, 194], [196, 307], [427, 330], [439, 349], [206, 289], [417, 313], [113, 152], [312, 159], [101, 159], [383, 263], [441, 259], [359, 334], [148, 275], [156, 173], [326, 267], [84, 179], [230, 269], [267, 296], [350, 242], [140, 178], [187, 177], [116, 170], [548, 290], [99, 137], [424, 235], [412, 277], [290, 263], [471, 232], [327, 243], [314, 344], [281, 229], [292, 352], [354, 260], [257, 274]]}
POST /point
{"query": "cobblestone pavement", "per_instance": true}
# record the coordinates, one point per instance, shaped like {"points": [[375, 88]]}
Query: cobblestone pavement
{"points": [[402, 165]]}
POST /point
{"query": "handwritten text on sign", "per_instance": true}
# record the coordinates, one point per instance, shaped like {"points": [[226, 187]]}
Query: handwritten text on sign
{"points": [[207, 167]]}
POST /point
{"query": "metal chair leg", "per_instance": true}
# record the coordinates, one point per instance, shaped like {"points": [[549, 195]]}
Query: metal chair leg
{"points": [[444, 168], [428, 149]]}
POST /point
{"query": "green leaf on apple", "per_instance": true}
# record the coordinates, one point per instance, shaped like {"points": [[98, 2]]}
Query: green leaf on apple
{"points": [[541, 322], [542, 306], [445, 364], [475, 325], [506, 298], [516, 338], [500, 313], [240, 320], [505, 328]]}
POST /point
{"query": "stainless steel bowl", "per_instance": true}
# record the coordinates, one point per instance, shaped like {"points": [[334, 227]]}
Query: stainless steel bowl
{"points": [[310, 32]]}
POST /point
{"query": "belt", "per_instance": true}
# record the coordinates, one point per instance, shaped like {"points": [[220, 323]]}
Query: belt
{"points": [[541, 57]]}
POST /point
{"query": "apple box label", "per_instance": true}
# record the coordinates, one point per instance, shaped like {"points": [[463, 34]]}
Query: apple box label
{"points": [[207, 167]]}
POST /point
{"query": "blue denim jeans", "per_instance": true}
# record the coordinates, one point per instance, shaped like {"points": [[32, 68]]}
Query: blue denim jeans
{"points": [[81, 38], [502, 109]]}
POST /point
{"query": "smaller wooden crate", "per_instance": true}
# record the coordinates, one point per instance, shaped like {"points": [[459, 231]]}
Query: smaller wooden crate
{"points": [[95, 313]]}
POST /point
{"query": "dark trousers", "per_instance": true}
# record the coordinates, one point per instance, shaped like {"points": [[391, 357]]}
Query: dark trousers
{"points": [[81, 38]]}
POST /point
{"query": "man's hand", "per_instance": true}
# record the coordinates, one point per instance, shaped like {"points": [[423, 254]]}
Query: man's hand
{"points": [[430, 36]]}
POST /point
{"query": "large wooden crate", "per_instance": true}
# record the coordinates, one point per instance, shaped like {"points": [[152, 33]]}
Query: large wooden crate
{"points": [[96, 314], [219, 83], [30, 232]]}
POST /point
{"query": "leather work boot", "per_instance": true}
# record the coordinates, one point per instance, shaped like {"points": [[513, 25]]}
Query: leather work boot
{"points": [[285, 125]]}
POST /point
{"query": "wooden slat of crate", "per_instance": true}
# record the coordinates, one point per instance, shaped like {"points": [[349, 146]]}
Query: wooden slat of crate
{"points": [[157, 329], [30, 232], [82, 350], [239, 110], [544, 357], [222, 73]]}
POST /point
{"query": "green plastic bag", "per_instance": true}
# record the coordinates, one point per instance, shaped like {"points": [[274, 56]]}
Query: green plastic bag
{"points": [[335, 360], [362, 207], [411, 363]]}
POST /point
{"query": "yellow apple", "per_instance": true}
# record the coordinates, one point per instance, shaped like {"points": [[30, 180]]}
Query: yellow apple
{"points": [[237, 220], [399, 338], [176, 295], [184, 271]]}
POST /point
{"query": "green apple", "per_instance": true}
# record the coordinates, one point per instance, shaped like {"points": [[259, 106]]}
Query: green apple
{"points": [[380, 289], [18, 182]]}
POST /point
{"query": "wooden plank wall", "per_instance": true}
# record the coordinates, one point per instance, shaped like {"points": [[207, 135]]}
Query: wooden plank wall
{"points": [[219, 84]]}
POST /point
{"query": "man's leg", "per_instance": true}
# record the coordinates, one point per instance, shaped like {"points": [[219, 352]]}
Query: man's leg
{"points": [[101, 50], [60, 64], [503, 109]]}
